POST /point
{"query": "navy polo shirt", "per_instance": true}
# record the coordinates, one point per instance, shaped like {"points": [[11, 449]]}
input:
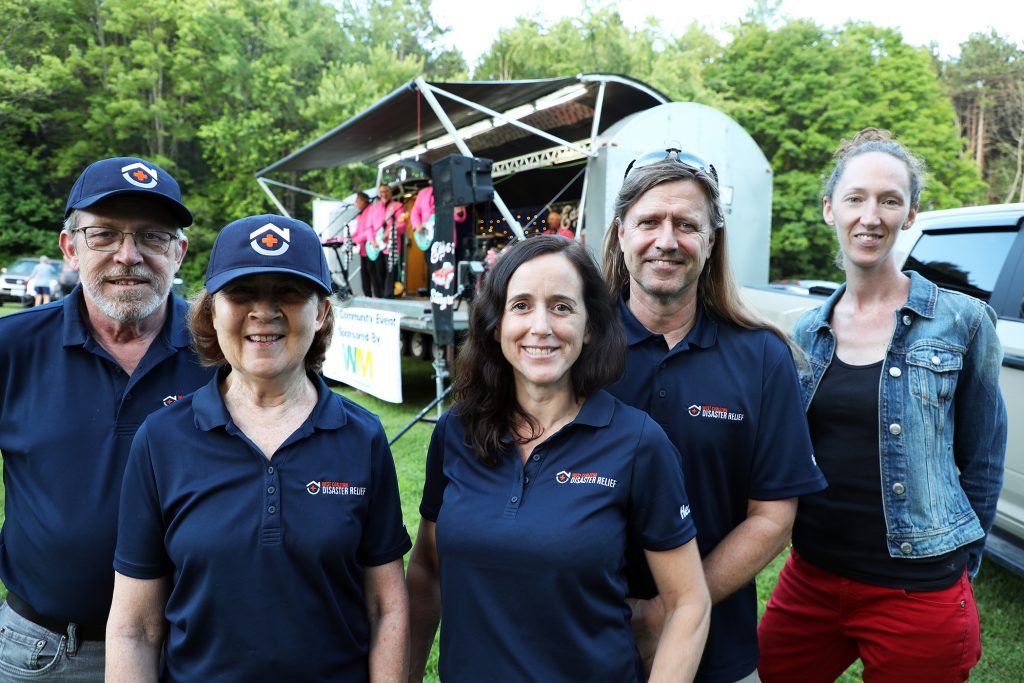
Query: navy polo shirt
{"points": [[532, 557], [68, 413], [266, 556], [730, 401]]}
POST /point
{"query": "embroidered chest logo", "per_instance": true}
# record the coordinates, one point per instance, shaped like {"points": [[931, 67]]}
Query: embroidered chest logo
{"points": [[139, 175], [168, 400], [565, 477], [270, 240], [715, 413], [334, 488]]}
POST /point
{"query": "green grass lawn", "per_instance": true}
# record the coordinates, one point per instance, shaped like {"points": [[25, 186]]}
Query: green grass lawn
{"points": [[1000, 594]]}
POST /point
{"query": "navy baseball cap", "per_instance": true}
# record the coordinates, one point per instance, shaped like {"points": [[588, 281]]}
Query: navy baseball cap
{"points": [[125, 175], [267, 244]]}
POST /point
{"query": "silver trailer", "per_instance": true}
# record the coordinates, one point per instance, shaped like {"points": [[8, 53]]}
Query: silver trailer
{"points": [[560, 143]]}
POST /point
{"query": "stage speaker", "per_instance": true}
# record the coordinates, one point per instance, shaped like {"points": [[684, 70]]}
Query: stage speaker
{"points": [[461, 181]]}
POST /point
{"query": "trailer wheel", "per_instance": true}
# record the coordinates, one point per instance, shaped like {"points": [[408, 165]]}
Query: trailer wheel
{"points": [[420, 346]]}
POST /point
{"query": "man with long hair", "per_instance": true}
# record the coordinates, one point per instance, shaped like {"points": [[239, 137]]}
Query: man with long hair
{"points": [[723, 385]]}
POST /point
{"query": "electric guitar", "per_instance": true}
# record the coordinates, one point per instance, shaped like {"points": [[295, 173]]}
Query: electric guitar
{"points": [[425, 237], [373, 252]]}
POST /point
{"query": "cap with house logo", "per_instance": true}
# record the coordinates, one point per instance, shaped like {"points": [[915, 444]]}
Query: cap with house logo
{"points": [[267, 244], [127, 175]]}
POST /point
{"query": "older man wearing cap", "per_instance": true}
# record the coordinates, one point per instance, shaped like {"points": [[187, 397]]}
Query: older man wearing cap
{"points": [[80, 377], [261, 534]]}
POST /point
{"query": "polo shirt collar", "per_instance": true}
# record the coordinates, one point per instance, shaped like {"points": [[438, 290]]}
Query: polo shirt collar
{"points": [[597, 410], [76, 329], [211, 413], [702, 335]]}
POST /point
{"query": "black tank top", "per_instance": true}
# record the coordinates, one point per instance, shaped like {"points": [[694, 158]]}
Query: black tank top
{"points": [[842, 529]]}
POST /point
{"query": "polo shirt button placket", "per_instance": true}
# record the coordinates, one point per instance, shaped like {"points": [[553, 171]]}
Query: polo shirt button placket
{"points": [[271, 487]]}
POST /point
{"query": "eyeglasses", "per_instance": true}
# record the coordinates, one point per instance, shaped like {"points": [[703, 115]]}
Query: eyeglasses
{"points": [[148, 242], [688, 159]]}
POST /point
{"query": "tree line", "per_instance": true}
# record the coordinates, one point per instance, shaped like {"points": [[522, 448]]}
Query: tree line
{"points": [[214, 90]]}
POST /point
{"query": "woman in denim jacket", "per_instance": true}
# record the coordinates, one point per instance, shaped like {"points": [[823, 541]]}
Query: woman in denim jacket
{"points": [[902, 396]]}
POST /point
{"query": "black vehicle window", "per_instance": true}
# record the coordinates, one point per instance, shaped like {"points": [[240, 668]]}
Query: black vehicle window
{"points": [[966, 262]]}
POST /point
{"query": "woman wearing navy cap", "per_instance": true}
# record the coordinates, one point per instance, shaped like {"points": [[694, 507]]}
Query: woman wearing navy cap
{"points": [[260, 535], [535, 479]]}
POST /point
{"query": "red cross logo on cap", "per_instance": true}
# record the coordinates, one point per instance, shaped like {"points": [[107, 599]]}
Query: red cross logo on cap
{"points": [[270, 240], [139, 175]]}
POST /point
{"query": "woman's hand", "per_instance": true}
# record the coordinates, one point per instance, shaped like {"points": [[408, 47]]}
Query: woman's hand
{"points": [[647, 621], [687, 612]]}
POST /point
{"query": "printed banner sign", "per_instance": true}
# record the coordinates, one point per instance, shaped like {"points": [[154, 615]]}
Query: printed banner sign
{"points": [[366, 352]]}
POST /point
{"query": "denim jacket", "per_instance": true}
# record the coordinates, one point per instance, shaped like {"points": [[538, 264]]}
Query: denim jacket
{"points": [[941, 418]]}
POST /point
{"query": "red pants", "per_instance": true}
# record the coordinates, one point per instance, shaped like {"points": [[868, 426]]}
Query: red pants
{"points": [[817, 624]]}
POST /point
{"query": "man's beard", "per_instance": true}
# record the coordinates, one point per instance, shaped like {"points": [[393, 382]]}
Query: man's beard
{"points": [[127, 307]]}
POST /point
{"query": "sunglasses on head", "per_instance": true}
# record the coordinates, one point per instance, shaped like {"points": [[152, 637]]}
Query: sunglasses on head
{"points": [[688, 159]]}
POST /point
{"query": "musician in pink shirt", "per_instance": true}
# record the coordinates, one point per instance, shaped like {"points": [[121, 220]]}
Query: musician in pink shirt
{"points": [[360, 233], [389, 214]]}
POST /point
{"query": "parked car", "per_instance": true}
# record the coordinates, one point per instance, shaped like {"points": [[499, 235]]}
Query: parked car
{"points": [[825, 287], [16, 283], [978, 250]]}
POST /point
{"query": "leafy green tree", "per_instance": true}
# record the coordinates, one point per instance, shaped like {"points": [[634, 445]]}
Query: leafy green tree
{"points": [[599, 41], [596, 41], [405, 29], [212, 90], [33, 43], [986, 83], [800, 88]]}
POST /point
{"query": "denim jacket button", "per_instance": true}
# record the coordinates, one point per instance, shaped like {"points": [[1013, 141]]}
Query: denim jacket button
{"points": [[936, 360], [906, 548], [898, 489], [906, 320], [895, 372], [895, 429]]}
